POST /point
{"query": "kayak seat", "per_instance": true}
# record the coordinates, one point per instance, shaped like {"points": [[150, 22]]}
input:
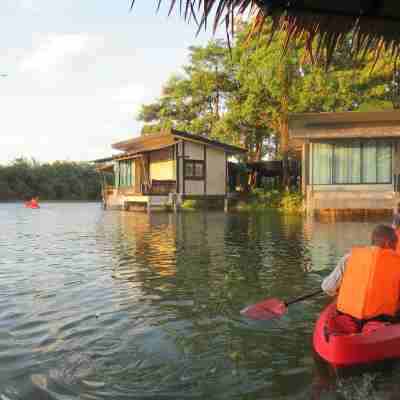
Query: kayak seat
{"points": [[342, 324], [372, 326]]}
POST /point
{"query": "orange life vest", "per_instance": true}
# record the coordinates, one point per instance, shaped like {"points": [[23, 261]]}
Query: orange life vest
{"points": [[371, 283]]}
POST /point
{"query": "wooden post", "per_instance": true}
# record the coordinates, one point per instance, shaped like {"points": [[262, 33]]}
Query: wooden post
{"points": [[103, 190], [149, 205], [183, 168]]}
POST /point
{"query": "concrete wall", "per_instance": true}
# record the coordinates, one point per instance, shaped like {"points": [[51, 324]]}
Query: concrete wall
{"points": [[194, 187], [372, 197], [194, 151], [216, 172]]}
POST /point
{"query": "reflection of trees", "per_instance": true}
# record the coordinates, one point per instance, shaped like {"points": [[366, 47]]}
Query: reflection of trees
{"points": [[197, 270], [187, 275], [328, 241]]}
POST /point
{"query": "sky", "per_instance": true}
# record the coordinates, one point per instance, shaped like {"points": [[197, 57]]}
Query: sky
{"points": [[78, 71]]}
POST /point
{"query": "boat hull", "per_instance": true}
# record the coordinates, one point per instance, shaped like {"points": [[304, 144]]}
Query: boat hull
{"points": [[341, 350]]}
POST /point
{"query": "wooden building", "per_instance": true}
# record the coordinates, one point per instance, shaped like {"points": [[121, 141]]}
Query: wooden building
{"points": [[350, 160], [164, 169]]}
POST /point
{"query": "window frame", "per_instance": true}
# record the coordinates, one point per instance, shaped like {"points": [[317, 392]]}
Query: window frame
{"points": [[194, 177], [334, 143], [125, 176]]}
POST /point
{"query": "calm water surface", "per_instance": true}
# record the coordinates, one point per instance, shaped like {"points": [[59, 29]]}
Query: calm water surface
{"points": [[113, 305]]}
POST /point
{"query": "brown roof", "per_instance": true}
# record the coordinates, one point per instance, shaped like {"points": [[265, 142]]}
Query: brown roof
{"points": [[144, 143], [167, 138], [345, 125]]}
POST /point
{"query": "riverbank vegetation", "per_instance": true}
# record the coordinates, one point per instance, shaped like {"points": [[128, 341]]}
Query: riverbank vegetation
{"points": [[287, 201], [60, 180]]}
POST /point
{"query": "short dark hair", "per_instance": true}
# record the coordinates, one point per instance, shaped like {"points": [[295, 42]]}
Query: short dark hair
{"points": [[384, 235]]}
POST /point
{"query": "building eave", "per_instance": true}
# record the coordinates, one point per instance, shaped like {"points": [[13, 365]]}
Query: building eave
{"points": [[345, 125], [167, 138]]}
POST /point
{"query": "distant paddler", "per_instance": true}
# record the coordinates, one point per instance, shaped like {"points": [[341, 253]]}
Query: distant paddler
{"points": [[32, 203]]}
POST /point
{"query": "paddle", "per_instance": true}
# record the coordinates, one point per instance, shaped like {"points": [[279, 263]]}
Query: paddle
{"points": [[273, 308]]}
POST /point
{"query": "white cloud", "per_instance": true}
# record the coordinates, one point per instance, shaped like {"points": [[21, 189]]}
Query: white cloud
{"points": [[129, 98], [78, 72], [55, 49]]}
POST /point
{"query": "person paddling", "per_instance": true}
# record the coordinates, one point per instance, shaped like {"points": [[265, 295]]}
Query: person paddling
{"points": [[35, 202], [32, 203], [367, 281]]}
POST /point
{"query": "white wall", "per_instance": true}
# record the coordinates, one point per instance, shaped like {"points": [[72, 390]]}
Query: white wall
{"points": [[216, 172]]}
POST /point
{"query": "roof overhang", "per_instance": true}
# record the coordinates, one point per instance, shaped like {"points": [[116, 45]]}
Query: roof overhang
{"points": [[345, 125], [157, 141], [210, 142], [144, 143], [105, 167]]}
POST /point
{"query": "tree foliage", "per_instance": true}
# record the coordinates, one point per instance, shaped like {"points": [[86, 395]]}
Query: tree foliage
{"points": [[245, 94], [60, 180]]}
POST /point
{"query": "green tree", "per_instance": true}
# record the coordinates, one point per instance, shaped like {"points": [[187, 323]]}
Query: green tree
{"points": [[244, 95], [56, 181], [269, 86], [193, 101]]}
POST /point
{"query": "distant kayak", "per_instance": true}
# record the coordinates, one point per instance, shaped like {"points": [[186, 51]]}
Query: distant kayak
{"points": [[30, 204]]}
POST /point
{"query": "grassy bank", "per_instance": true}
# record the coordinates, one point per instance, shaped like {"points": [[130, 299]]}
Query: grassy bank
{"points": [[290, 202]]}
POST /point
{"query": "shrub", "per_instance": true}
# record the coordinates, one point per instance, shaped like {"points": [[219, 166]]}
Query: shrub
{"points": [[286, 201], [292, 202]]}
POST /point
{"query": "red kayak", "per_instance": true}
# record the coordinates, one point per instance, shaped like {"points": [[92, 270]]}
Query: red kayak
{"points": [[377, 341], [31, 205]]}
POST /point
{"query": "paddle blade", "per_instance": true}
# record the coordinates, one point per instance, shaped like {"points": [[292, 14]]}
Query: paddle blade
{"points": [[265, 310]]}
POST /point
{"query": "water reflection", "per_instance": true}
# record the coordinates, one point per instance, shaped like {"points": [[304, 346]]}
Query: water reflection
{"points": [[115, 305]]}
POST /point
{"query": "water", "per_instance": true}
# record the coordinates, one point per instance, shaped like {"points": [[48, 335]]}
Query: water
{"points": [[113, 305]]}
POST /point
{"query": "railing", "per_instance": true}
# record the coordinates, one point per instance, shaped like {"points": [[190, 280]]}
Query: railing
{"points": [[161, 187], [109, 190]]}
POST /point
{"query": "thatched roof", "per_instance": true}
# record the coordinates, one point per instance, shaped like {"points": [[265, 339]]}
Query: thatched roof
{"points": [[375, 24]]}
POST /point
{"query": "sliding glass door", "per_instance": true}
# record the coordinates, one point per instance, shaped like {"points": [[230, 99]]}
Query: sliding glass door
{"points": [[352, 162]]}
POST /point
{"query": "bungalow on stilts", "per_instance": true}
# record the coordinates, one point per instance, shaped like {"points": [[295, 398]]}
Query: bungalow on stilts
{"points": [[163, 170]]}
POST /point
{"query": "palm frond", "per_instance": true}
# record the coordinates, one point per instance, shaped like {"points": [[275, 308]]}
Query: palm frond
{"points": [[323, 28]]}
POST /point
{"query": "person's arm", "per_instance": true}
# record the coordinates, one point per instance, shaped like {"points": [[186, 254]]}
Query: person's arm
{"points": [[332, 282]]}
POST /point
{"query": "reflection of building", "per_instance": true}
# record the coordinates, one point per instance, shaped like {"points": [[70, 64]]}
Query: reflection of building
{"points": [[165, 169], [149, 240], [351, 160]]}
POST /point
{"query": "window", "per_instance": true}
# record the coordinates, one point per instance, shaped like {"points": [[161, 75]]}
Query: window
{"points": [[123, 173], [323, 158], [194, 169], [347, 163], [352, 162]]}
